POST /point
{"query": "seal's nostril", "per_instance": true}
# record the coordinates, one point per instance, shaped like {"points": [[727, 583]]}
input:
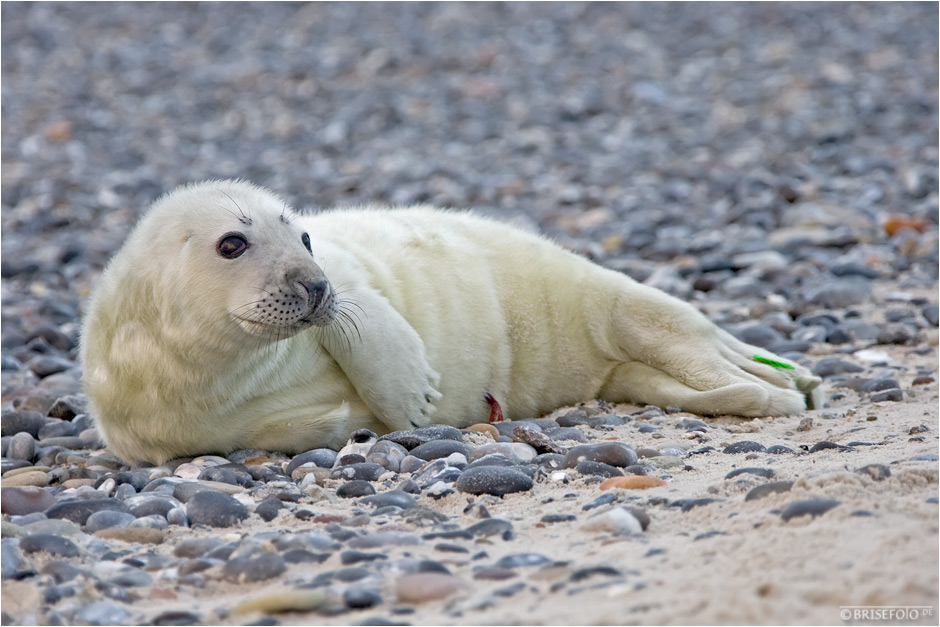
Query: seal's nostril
{"points": [[316, 290]]}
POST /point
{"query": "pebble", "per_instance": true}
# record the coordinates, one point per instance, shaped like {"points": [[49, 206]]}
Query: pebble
{"points": [[137, 535], [617, 520], [587, 467], [612, 453], [495, 480], [809, 507], [101, 613], [767, 473], [22, 500], [253, 569], [22, 446], [394, 498], [744, 446], [359, 597], [215, 509], [633, 482], [274, 600], [774, 487], [78, 511], [108, 519], [437, 449], [829, 366], [878, 472], [517, 560], [423, 435], [425, 586], [355, 488], [49, 543]]}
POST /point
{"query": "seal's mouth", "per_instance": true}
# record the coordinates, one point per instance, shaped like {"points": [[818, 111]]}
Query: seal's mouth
{"points": [[283, 312]]}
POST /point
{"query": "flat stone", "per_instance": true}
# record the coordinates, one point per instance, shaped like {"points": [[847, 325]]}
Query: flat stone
{"points": [[828, 366], [29, 478], [48, 543], [108, 519], [416, 437], [490, 527], [495, 480], [632, 482], [427, 586], [744, 446], [438, 449], [392, 497], [101, 613], [250, 569], [360, 597], [774, 487], [612, 453], [809, 507], [517, 560], [355, 488], [588, 467], [78, 511], [363, 471], [275, 600], [136, 535], [767, 473]]}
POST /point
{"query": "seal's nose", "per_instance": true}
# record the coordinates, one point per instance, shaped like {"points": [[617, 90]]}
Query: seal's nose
{"points": [[316, 290]]}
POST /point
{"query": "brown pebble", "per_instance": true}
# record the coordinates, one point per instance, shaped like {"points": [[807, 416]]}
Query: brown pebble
{"points": [[482, 427], [35, 478], [58, 131], [923, 380], [429, 586], [646, 452], [276, 600], [139, 535], [632, 482]]}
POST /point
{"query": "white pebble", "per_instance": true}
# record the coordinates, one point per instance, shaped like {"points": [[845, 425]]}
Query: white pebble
{"points": [[617, 520]]}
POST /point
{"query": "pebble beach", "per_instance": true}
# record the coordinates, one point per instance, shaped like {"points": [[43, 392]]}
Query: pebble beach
{"points": [[775, 164]]}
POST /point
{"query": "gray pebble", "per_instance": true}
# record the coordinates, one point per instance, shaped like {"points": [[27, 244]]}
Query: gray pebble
{"points": [[49, 543], [692, 424], [22, 446], [826, 445], [774, 487], [12, 561], [809, 507], [779, 449], [13, 422], [355, 488], [268, 508], [588, 467], [612, 453], [101, 613], [894, 395], [521, 559], [829, 366], [688, 504], [151, 505], [557, 518], [78, 511], [251, 569], [321, 457], [438, 449], [387, 454], [392, 497], [108, 520], [490, 527], [744, 446], [760, 472], [494, 459], [410, 463], [495, 480], [415, 437], [565, 433], [215, 509], [604, 499], [363, 471], [878, 472], [359, 597]]}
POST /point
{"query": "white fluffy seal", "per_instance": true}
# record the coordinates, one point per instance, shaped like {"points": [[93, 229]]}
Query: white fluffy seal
{"points": [[226, 321]]}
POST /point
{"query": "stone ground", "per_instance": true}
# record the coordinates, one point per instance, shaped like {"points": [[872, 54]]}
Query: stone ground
{"points": [[775, 164]]}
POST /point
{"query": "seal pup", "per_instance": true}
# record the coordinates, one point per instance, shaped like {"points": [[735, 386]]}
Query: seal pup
{"points": [[227, 321]]}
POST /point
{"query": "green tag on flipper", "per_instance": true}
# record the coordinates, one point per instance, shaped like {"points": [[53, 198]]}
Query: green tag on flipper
{"points": [[772, 362]]}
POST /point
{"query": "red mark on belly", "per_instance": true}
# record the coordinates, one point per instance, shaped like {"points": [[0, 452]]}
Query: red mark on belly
{"points": [[496, 412]]}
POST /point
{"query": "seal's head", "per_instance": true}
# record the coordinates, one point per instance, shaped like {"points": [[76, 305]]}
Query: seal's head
{"points": [[212, 272]]}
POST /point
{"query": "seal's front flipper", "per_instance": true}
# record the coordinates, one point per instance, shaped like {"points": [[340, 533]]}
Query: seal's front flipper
{"points": [[385, 359]]}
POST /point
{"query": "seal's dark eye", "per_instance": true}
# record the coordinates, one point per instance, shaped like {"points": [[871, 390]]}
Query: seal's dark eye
{"points": [[306, 240], [232, 245]]}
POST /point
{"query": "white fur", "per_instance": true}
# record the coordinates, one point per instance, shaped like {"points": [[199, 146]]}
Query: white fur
{"points": [[439, 309]]}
